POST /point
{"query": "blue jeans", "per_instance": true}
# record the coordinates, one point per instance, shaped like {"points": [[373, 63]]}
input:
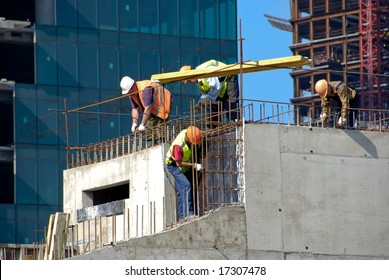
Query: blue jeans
{"points": [[184, 191]]}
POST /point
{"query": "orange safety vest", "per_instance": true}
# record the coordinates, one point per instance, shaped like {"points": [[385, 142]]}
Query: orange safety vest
{"points": [[161, 99]]}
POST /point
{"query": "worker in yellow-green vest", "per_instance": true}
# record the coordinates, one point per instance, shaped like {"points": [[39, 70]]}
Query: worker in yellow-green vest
{"points": [[217, 89], [180, 163]]}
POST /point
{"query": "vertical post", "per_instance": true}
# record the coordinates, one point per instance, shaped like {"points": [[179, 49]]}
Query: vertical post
{"points": [[67, 132]]}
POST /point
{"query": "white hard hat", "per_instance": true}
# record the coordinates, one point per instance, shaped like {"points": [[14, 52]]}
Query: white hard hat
{"points": [[126, 83]]}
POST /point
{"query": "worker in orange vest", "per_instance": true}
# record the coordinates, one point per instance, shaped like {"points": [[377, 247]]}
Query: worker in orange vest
{"points": [[335, 90], [150, 98]]}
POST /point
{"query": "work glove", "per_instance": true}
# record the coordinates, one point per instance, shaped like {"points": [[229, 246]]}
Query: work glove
{"points": [[198, 166], [341, 122], [197, 108], [133, 128], [324, 118], [141, 127]]}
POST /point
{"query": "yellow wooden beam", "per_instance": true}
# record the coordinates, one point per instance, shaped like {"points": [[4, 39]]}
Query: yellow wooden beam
{"points": [[232, 69]]}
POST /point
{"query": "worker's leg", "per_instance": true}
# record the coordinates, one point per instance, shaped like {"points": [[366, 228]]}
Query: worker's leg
{"points": [[184, 197]]}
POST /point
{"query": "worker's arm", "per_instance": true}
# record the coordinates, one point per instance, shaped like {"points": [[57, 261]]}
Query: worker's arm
{"points": [[146, 114], [135, 115], [342, 92], [177, 155], [325, 105], [212, 94], [147, 95]]}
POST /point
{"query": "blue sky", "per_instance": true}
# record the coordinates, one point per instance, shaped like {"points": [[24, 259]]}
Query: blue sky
{"points": [[263, 41]]}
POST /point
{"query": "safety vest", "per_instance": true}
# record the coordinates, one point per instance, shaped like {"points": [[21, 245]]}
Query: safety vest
{"points": [[204, 86], [161, 99], [187, 153]]}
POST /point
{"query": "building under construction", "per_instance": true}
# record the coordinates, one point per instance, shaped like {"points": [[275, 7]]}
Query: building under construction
{"points": [[347, 41]]}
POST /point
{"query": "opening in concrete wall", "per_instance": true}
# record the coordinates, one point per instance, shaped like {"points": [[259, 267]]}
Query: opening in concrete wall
{"points": [[111, 194]]}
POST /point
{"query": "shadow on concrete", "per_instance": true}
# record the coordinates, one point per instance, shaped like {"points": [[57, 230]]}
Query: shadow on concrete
{"points": [[363, 141]]}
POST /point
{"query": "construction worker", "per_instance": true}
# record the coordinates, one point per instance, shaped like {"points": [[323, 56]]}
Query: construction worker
{"points": [[180, 162], [214, 89], [149, 97], [338, 91]]}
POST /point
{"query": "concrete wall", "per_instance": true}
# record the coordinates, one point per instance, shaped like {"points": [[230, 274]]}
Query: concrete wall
{"points": [[151, 204], [317, 191], [310, 193]]}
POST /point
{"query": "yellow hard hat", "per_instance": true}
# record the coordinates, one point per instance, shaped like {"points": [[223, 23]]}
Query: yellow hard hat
{"points": [[321, 87], [193, 134]]}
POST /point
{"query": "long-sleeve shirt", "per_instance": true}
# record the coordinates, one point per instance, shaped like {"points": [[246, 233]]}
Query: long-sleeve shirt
{"points": [[213, 92], [344, 92]]}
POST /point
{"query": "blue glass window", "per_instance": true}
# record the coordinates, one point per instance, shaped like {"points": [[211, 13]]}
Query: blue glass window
{"points": [[66, 12], [129, 62], [149, 42], [88, 36], [25, 114], [149, 64], [109, 38], [67, 64], [209, 46], [87, 14], [168, 14], [7, 223], [26, 191], [170, 43], [89, 66], [190, 44], [128, 13], [109, 115], [189, 18], [46, 119], [170, 62], [209, 19], [67, 34], [46, 65], [108, 14], [47, 174], [228, 20], [109, 68], [129, 39], [71, 95], [148, 16], [229, 48], [26, 224], [89, 117]]}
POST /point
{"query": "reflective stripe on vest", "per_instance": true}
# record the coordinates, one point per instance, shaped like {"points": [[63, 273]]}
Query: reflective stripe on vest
{"points": [[187, 153], [204, 86], [161, 98]]}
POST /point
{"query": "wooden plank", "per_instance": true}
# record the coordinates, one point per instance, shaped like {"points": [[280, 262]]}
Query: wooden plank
{"points": [[232, 69]]}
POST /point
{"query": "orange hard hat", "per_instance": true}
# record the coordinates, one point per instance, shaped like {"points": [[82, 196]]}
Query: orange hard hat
{"points": [[186, 68], [193, 134], [321, 87]]}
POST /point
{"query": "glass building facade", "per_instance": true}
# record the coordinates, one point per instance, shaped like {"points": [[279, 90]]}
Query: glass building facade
{"points": [[79, 60]]}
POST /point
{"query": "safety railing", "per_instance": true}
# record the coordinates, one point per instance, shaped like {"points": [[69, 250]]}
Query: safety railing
{"points": [[257, 111]]}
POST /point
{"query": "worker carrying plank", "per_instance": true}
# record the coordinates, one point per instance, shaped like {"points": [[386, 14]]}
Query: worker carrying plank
{"points": [[216, 89], [338, 91], [151, 98]]}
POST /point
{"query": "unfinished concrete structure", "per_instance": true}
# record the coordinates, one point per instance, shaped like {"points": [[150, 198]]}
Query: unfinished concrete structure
{"points": [[347, 40], [300, 192]]}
